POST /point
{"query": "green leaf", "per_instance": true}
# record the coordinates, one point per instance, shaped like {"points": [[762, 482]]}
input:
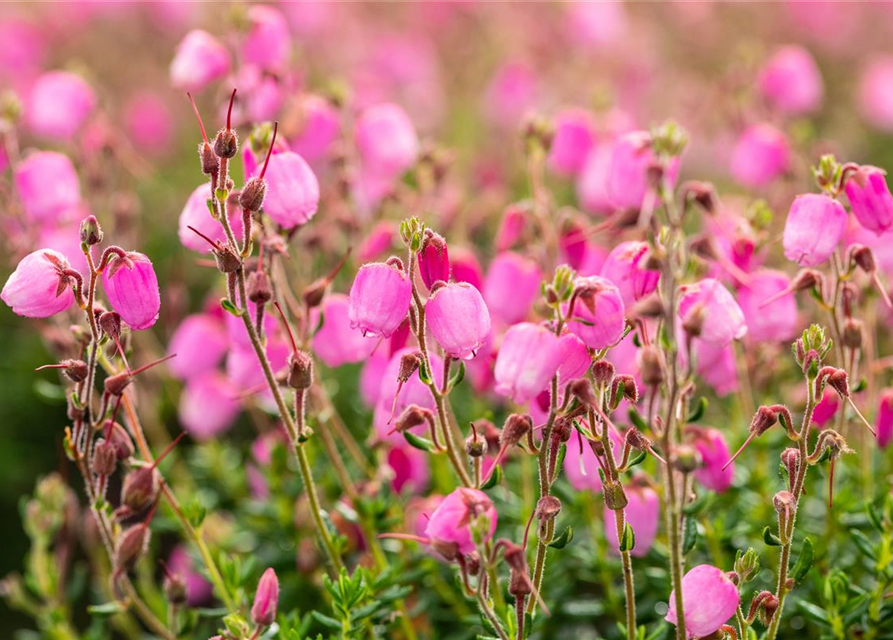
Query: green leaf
{"points": [[636, 418], [689, 534], [698, 505], [229, 307], [458, 376], [419, 442], [424, 374], [325, 620], [874, 517], [770, 538], [864, 544], [628, 540], [814, 612], [636, 459], [494, 479], [804, 561], [564, 539], [106, 609], [48, 391], [697, 412]]}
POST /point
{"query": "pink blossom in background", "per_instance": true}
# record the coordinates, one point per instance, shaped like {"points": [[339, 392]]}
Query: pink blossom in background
{"points": [[598, 315], [200, 60], [760, 156], [386, 140], [572, 141], [410, 467], [268, 42], [200, 342], [209, 405], [597, 24], [335, 343], [196, 214], [292, 190], [65, 238], [813, 229], [319, 129], [528, 358], [875, 96], [592, 180], [198, 590], [642, 514], [511, 93], [884, 422], [47, 186], [59, 105], [23, 48], [791, 81], [716, 365], [826, 408], [466, 268], [775, 322], [714, 452], [631, 160], [451, 521], [149, 123], [581, 466], [625, 268], [511, 287]]}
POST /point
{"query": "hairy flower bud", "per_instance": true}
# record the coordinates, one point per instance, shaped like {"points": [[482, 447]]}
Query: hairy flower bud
{"points": [[603, 372], [75, 370], [140, 488], [615, 497], [90, 231], [651, 365], [258, 287], [105, 458], [434, 259], [548, 508], [852, 333], [226, 144], [686, 458], [412, 416], [516, 428], [132, 545], [784, 502], [300, 370], [582, 390], [253, 193]]}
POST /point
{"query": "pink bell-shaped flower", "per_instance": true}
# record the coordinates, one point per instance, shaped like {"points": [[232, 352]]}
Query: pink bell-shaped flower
{"points": [[336, 343], [149, 123], [710, 598], [716, 365], [38, 288], [511, 287], [643, 515], [268, 43], [876, 93], [592, 180], [458, 319], [379, 299], [266, 599], [773, 322], [386, 140], [292, 190], [631, 163], [598, 312], [710, 305], [813, 229], [572, 140], [410, 467], [460, 512], [200, 60], [59, 104], [47, 186], [791, 81], [715, 453], [760, 156], [209, 405], [870, 199], [625, 268], [195, 214], [575, 359], [465, 267], [884, 423], [200, 343], [132, 289], [528, 358], [320, 130]]}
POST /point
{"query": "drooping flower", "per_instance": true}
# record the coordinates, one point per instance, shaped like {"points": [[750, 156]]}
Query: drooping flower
{"points": [[719, 317], [714, 451], [876, 92], [200, 60], [336, 343], [131, 287], [200, 343], [791, 81], [268, 43], [321, 126], [631, 163], [37, 288], [643, 515], [266, 599], [571, 142], [458, 319], [528, 358], [386, 140], [625, 268], [884, 424], [775, 321], [870, 199], [461, 512], [598, 314], [575, 359], [410, 467], [47, 186], [379, 299], [710, 598], [59, 104], [209, 405], [592, 181], [760, 155], [512, 285], [813, 229], [196, 214], [292, 190]]}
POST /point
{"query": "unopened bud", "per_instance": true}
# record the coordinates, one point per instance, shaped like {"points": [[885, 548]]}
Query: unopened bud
{"points": [[105, 458], [519, 584], [582, 390], [475, 446], [615, 497], [864, 258], [702, 193], [602, 372], [253, 193], [266, 599], [90, 231], [116, 384], [686, 458], [693, 322], [412, 416], [651, 365], [140, 488], [548, 508], [434, 259], [258, 287], [300, 370], [840, 383], [637, 440], [110, 323], [852, 333], [784, 502], [562, 429], [763, 420], [132, 545], [210, 162], [75, 370], [409, 363], [516, 427], [228, 261], [226, 145], [624, 387]]}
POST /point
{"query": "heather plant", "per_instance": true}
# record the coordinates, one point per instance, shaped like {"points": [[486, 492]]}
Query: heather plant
{"points": [[386, 382]]}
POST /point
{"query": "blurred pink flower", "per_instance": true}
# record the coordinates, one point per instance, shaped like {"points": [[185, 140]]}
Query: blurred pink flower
{"points": [[209, 405], [760, 155], [200, 342], [791, 81], [511, 287], [813, 229], [336, 343], [642, 514], [149, 123], [200, 60], [59, 104], [268, 42], [876, 92], [709, 597], [47, 186], [776, 321]]}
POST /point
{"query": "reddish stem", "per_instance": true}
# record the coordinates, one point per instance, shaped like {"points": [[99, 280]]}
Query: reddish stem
{"points": [[263, 171], [229, 113], [200, 123]]}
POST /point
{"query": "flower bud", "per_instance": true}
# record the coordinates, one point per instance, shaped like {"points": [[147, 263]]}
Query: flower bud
{"points": [[615, 497], [434, 259], [258, 287], [548, 508], [813, 229], [763, 419], [228, 261], [852, 333], [637, 440], [627, 384], [75, 370], [90, 231], [603, 372], [412, 416], [121, 441], [839, 381], [651, 365], [132, 545], [516, 428], [475, 446], [226, 145], [300, 370], [582, 390], [110, 323], [175, 589], [409, 364], [140, 488], [253, 193], [784, 502], [458, 318], [105, 458], [870, 199], [686, 458], [266, 599]]}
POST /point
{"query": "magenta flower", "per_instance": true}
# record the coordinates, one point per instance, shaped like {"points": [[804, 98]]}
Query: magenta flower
{"points": [[773, 322], [198, 590], [714, 450], [132, 289], [394, 397], [195, 214], [458, 319], [200, 60], [266, 599], [238, 334], [292, 190], [575, 358], [791, 81], [876, 92], [321, 127], [598, 313], [631, 161], [268, 43], [592, 181], [466, 268], [572, 140], [209, 405], [870, 199], [379, 241], [47, 186], [825, 408], [200, 343], [59, 104], [813, 229], [642, 514], [410, 468], [884, 424], [720, 317], [149, 123], [460, 512], [716, 365], [581, 466], [386, 140], [709, 597], [37, 288], [336, 343], [528, 358], [379, 299], [434, 260], [244, 370], [760, 156], [511, 287], [625, 268]]}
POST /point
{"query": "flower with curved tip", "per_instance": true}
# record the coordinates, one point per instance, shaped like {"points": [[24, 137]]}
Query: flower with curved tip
{"points": [[455, 518], [598, 313], [47, 186], [719, 316], [292, 190], [38, 288], [458, 319], [59, 104], [131, 287], [200, 60], [379, 299], [813, 229], [870, 199], [791, 81], [710, 598], [528, 358], [386, 140], [760, 155], [512, 285], [642, 514], [625, 268], [336, 342]]}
